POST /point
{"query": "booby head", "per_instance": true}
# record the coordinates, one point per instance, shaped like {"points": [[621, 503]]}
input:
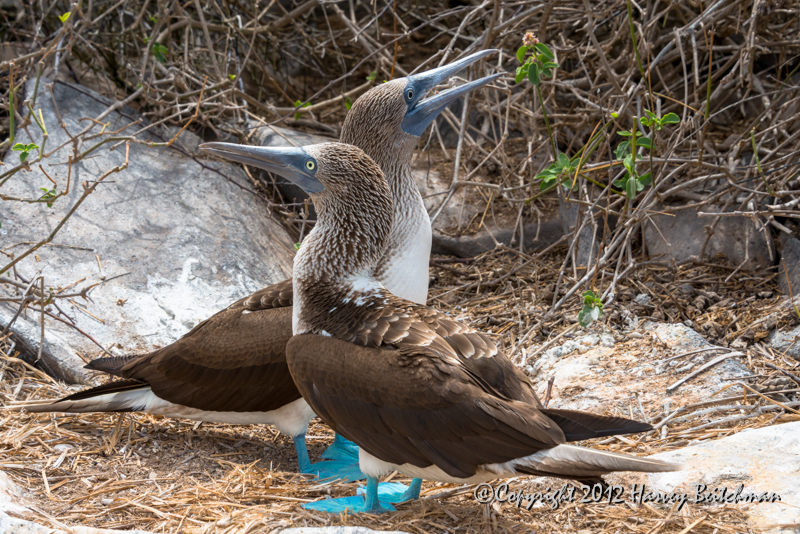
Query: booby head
{"points": [[348, 188], [396, 113]]}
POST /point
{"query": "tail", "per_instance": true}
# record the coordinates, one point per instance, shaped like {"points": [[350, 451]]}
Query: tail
{"points": [[123, 396], [113, 365], [570, 461], [578, 426]]}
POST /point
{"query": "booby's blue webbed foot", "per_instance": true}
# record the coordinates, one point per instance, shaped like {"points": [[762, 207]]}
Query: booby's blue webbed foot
{"points": [[402, 493], [345, 470], [370, 500], [339, 470], [341, 449]]}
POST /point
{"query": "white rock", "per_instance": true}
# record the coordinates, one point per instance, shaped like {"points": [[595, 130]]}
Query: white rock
{"points": [[764, 460], [178, 239]]}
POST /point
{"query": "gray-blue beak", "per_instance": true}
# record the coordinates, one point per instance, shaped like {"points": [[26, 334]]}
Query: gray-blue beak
{"points": [[422, 112], [293, 163]]}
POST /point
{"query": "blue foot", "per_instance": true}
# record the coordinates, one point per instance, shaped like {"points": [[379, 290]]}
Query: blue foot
{"points": [[345, 470], [341, 470], [341, 449], [370, 503], [403, 493]]}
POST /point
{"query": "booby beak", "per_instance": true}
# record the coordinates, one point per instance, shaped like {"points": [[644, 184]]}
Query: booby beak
{"points": [[421, 113], [293, 163]]}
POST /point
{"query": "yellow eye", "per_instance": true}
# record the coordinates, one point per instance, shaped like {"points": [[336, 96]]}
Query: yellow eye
{"points": [[310, 165]]}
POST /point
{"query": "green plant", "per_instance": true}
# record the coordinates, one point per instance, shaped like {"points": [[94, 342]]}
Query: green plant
{"points": [[592, 309], [24, 150], [348, 103], [65, 17], [560, 172], [160, 52], [50, 196], [299, 104], [534, 67], [632, 182], [372, 75]]}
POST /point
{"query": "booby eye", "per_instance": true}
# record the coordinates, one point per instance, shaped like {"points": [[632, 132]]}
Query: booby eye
{"points": [[409, 94], [310, 165]]}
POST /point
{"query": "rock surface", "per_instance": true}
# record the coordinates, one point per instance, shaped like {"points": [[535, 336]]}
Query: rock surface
{"points": [[595, 372], [170, 241], [787, 343], [680, 237], [790, 267], [763, 460]]}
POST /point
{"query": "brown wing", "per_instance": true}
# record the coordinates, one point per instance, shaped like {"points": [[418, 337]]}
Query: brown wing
{"points": [[385, 320], [412, 405], [233, 361]]}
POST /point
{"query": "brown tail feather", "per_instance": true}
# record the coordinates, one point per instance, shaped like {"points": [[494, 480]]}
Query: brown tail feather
{"points": [[578, 426], [112, 365]]}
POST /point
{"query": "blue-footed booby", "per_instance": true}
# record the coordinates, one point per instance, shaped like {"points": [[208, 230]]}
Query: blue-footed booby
{"points": [[418, 392], [231, 367]]}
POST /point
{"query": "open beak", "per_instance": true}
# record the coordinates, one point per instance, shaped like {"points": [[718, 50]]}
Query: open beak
{"points": [[425, 111], [284, 161]]}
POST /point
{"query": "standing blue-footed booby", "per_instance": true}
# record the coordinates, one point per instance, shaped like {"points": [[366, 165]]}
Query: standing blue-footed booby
{"points": [[418, 392], [231, 368]]}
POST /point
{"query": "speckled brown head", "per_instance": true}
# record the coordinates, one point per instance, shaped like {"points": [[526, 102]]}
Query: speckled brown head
{"points": [[350, 195], [386, 121]]}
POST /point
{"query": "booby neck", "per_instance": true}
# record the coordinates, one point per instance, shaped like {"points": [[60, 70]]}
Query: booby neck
{"points": [[339, 257], [403, 268]]}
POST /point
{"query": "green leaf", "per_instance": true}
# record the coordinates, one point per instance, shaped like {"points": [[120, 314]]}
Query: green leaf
{"points": [[348, 103], [628, 163], [520, 75], [297, 246], [620, 182], [563, 161], [533, 74], [160, 52], [670, 118], [23, 156], [544, 185], [646, 179], [372, 75], [646, 121], [542, 48], [614, 115], [630, 188], [521, 53], [624, 133], [232, 76], [153, 19], [650, 114], [622, 150], [550, 65], [547, 73], [65, 17], [644, 142]]}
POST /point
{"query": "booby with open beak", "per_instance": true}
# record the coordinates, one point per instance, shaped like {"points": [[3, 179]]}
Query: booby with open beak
{"points": [[231, 367], [418, 392]]}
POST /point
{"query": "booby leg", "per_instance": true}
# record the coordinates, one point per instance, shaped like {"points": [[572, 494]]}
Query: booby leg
{"points": [[371, 500]]}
